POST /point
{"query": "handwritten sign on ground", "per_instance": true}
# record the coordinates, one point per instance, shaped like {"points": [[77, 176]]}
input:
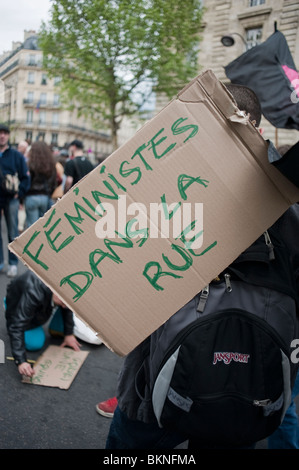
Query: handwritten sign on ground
{"points": [[146, 230], [57, 367]]}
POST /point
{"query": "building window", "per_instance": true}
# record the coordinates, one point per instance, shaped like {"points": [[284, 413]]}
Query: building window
{"points": [[32, 60], [29, 116], [57, 80], [44, 79], [54, 138], [253, 3], [30, 77], [42, 117], [55, 119], [30, 96], [29, 136], [253, 37], [56, 99], [43, 98]]}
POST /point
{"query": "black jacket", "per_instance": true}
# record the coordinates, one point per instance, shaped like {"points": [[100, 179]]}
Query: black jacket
{"points": [[28, 305], [288, 165], [41, 184]]}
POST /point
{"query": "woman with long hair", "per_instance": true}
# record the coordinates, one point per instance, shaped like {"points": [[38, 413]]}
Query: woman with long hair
{"points": [[41, 164]]}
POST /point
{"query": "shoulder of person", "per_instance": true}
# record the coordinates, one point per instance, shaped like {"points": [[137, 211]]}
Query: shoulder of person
{"points": [[86, 160], [59, 168]]}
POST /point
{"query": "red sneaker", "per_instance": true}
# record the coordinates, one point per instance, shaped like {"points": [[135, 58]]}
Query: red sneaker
{"points": [[107, 408]]}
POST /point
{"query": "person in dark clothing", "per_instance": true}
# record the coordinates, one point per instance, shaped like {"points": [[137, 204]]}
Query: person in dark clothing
{"points": [[288, 164], [29, 305], [287, 435], [134, 425], [12, 162], [77, 166]]}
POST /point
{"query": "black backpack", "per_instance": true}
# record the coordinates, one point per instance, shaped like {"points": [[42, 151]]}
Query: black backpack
{"points": [[221, 369]]}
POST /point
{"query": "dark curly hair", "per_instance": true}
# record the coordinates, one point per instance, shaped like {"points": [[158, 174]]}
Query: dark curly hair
{"points": [[41, 159], [247, 101]]}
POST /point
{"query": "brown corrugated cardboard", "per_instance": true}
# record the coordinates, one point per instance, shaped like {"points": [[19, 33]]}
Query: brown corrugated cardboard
{"points": [[198, 153], [57, 367]]}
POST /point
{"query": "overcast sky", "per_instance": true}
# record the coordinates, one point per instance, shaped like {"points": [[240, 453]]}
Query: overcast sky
{"points": [[19, 15]]}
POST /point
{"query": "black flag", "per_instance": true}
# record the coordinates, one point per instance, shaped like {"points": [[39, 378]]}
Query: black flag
{"points": [[269, 70]]}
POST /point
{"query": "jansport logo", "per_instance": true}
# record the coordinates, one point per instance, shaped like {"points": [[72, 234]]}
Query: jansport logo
{"points": [[228, 357]]}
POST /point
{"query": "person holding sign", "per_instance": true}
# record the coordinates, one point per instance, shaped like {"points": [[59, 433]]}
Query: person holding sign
{"points": [[29, 305], [134, 423]]}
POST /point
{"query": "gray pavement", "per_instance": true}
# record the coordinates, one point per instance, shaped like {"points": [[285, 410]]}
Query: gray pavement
{"points": [[37, 417]]}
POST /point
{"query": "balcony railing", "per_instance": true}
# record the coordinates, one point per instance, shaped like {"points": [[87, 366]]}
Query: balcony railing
{"points": [[36, 104], [43, 124]]}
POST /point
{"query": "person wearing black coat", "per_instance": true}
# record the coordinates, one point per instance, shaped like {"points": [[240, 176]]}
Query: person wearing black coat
{"points": [[12, 165], [288, 164], [29, 305]]}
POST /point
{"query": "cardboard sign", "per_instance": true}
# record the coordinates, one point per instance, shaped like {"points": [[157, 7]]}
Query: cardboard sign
{"points": [[152, 225], [57, 367]]}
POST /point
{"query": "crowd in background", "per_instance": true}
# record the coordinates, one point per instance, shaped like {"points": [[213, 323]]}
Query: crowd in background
{"points": [[41, 175], [32, 178]]}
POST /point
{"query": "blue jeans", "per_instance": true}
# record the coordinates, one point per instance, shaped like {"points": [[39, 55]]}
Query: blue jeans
{"points": [[10, 212], [128, 434], [36, 205], [287, 435]]}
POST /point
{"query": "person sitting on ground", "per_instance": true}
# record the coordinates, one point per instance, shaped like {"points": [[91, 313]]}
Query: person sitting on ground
{"points": [[29, 304]]}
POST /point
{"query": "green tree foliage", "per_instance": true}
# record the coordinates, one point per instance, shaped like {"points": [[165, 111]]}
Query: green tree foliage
{"points": [[110, 54]]}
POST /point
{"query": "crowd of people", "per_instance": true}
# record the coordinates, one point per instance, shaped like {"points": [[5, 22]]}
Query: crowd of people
{"points": [[40, 178]]}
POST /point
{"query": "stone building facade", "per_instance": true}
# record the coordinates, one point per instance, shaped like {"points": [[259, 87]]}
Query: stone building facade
{"points": [[30, 101]]}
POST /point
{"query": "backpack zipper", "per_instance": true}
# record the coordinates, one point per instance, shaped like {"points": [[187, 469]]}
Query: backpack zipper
{"points": [[203, 299], [269, 245], [227, 282], [265, 402], [216, 396]]}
